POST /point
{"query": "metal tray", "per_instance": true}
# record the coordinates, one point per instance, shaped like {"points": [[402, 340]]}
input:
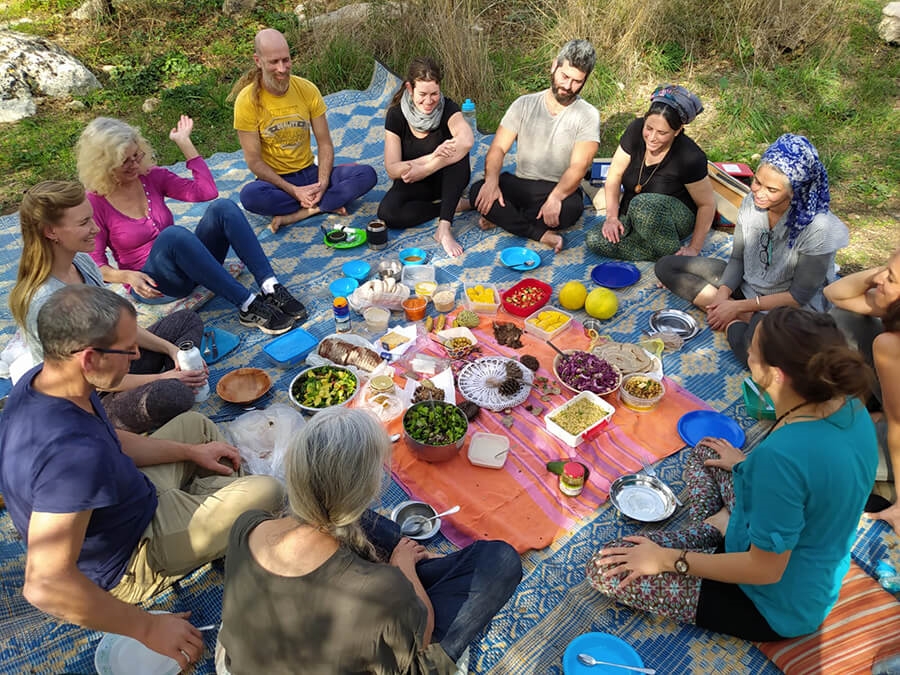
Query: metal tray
{"points": [[674, 321], [641, 497]]}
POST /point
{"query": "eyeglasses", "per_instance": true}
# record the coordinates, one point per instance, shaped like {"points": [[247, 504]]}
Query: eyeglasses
{"points": [[135, 351], [765, 248], [136, 158]]}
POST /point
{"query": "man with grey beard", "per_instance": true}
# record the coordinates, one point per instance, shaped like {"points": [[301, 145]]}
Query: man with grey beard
{"points": [[273, 115]]}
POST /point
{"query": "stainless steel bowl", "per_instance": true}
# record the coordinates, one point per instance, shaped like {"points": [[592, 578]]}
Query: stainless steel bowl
{"points": [[389, 268], [405, 510], [435, 453], [303, 374], [642, 497]]}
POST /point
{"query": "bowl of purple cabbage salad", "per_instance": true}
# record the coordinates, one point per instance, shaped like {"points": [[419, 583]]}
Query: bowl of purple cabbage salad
{"points": [[583, 371]]}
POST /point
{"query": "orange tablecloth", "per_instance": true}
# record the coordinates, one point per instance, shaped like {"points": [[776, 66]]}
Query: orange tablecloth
{"points": [[521, 503]]}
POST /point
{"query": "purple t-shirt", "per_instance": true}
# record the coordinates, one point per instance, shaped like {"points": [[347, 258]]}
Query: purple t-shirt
{"points": [[57, 458]]}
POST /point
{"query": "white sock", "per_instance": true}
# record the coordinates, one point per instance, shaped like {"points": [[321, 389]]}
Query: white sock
{"points": [[268, 286], [248, 302]]}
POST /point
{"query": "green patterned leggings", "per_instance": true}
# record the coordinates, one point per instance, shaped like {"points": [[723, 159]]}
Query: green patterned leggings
{"points": [[654, 225]]}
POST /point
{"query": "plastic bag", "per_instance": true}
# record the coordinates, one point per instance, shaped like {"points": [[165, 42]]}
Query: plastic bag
{"points": [[263, 437]]}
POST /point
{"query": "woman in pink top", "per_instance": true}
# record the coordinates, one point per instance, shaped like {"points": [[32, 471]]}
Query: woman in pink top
{"points": [[155, 257]]}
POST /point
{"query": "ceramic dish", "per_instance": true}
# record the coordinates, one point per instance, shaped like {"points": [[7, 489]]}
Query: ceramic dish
{"points": [[674, 321], [356, 269], [243, 385], [615, 274], [520, 258], [413, 256], [343, 287], [353, 239], [602, 392], [694, 426], [641, 497], [404, 510], [480, 381], [603, 647]]}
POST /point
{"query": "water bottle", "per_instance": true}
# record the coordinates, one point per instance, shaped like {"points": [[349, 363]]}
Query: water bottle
{"points": [[341, 315], [189, 358], [468, 112]]}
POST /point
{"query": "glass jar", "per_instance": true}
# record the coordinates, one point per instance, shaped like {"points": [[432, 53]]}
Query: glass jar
{"points": [[381, 384], [571, 480]]}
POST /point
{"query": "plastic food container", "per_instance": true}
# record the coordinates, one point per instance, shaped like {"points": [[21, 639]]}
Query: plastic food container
{"points": [[525, 297], [758, 408], [413, 274], [415, 308], [488, 450], [575, 439], [444, 298], [377, 319], [413, 256], [531, 327], [483, 307], [629, 392], [291, 348]]}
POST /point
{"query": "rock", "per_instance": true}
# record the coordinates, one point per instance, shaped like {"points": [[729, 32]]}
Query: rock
{"points": [[75, 106], [150, 105], [889, 28], [94, 10], [232, 7], [353, 14], [32, 67]]}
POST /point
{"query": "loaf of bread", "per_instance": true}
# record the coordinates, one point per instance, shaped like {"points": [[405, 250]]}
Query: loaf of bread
{"points": [[346, 354]]}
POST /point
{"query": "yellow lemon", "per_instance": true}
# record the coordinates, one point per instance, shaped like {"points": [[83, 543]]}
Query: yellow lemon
{"points": [[572, 295], [601, 303]]}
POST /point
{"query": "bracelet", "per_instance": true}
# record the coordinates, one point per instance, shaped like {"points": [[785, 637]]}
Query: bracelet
{"points": [[757, 302]]}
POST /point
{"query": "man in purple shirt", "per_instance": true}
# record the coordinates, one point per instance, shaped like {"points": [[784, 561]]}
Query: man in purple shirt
{"points": [[109, 517]]}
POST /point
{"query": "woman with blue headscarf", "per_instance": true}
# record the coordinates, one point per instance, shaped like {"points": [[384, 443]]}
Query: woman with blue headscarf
{"points": [[657, 189], [785, 241]]}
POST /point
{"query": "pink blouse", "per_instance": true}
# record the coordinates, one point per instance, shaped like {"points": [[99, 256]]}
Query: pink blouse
{"points": [[130, 239]]}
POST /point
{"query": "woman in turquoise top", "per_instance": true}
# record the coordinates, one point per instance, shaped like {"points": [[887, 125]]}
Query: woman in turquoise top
{"points": [[771, 531]]}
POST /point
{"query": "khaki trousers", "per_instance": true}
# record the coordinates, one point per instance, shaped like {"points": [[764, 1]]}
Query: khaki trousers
{"points": [[195, 513]]}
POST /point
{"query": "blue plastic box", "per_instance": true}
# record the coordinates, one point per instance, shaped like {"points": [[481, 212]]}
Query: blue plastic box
{"points": [[291, 348]]}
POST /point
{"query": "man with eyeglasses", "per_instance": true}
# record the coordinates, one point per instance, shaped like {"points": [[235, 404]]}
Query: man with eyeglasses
{"points": [[110, 518]]}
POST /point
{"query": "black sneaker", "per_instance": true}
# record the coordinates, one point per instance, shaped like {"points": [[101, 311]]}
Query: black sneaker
{"points": [[268, 318], [287, 303]]}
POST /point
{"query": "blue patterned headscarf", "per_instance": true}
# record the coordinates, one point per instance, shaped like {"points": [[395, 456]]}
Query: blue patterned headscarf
{"points": [[796, 158]]}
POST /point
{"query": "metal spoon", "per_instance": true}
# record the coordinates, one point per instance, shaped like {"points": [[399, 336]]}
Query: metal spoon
{"points": [[588, 660], [650, 471], [415, 524]]}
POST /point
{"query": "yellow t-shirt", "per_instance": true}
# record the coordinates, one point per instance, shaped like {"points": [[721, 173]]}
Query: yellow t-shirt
{"points": [[284, 123]]}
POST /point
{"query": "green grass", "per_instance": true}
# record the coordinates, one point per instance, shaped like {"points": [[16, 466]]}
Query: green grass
{"points": [[840, 91]]}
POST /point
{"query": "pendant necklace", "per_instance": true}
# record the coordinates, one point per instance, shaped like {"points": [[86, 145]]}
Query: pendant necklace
{"points": [[781, 419], [639, 186]]}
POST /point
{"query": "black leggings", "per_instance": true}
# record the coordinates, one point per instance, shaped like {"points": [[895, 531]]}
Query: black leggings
{"points": [[436, 196], [524, 198], [686, 275]]}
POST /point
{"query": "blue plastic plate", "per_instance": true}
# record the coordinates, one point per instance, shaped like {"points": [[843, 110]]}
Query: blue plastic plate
{"points": [[225, 344], [343, 286], [697, 425], [615, 274], [413, 256], [603, 647], [520, 258], [357, 269]]}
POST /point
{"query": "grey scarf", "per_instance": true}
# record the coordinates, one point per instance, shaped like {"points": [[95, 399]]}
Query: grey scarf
{"points": [[418, 120]]}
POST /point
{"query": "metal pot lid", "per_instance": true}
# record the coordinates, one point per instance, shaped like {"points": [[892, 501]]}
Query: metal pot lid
{"points": [[674, 321]]}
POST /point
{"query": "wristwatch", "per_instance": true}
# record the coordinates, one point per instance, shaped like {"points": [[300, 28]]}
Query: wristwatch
{"points": [[681, 565]]}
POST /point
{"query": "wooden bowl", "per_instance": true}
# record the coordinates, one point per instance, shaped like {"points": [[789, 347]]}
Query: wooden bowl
{"points": [[243, 385]]}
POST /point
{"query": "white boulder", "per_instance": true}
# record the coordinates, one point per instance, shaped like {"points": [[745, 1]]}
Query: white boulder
{"points": [[34, 67], [889, 28]]}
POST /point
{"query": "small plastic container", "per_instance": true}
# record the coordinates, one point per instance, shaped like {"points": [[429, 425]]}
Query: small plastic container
{"points": [[377, 319], [483, 307], [413, 274], [758, 408], [381, 384], [444, 298], [574, 440], [415, 308], [291, 348], [540, 293], [488, 450], [637, 382], [537, 331], [413, 256]]}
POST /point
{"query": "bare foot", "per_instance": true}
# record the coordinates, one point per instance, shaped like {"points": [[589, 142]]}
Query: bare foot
{"points": [[275, 225], [280, 221], [445, 238], [463, 205], [342, 211], [553, 240], [485, 224]]}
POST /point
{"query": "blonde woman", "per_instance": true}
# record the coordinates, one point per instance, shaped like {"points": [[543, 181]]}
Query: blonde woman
{"points": [[156, 258], [58, 232], [334, 587]]}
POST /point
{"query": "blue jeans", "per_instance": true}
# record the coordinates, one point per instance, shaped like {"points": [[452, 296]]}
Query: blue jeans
{"points": [[347, 182], [466, 588], [181, 259]]}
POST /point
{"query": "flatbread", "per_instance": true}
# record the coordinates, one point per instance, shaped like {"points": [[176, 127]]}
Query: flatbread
{"points": [[625, 356]]}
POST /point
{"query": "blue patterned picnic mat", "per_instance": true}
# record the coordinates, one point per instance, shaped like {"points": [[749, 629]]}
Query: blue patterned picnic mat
{"points": [[553, 604]]}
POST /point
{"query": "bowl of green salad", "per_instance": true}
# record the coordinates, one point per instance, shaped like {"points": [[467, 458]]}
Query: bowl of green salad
{"points": [[320, 387], [435, 430]]}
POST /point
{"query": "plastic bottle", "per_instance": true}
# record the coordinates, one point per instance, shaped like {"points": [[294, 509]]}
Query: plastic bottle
{"points": [[468, 112], [341, 315], [189, 358]]}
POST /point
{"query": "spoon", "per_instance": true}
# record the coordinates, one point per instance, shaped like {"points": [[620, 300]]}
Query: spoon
{"points": [[558, 350], [415, 524], [518, 258], [588, 660], [650, 471]]}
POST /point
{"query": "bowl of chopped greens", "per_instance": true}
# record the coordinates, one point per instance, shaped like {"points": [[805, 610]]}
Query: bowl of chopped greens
{"points": [[582, 371], [435, 430], [321, 387]]}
